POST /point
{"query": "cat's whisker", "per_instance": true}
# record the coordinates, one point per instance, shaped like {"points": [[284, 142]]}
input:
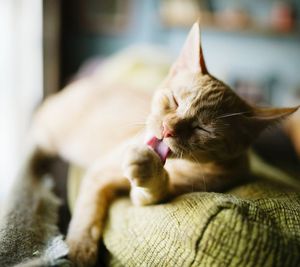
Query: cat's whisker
{"points": [[204, 183], [181, 154], [232, 114], [132, 125], [137, 124], [202, 176], [140, 122]]}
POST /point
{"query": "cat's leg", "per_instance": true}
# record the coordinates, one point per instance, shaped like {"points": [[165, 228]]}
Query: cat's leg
{"points": [[86, 228], [145, 171]]}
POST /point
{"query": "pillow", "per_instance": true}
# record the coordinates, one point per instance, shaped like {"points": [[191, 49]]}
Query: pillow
{"points": [[254, 225], [257, 224]]}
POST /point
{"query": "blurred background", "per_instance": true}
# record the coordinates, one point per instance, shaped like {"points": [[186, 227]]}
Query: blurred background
{"points": [[252, 45]]}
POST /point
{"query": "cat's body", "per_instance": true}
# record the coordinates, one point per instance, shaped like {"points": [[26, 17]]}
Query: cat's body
{"points": [[86, 120], [207, 127]]}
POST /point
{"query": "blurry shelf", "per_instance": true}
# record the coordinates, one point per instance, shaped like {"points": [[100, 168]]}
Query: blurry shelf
{"points": [[249, 30], [240, 24], [260, 32]]}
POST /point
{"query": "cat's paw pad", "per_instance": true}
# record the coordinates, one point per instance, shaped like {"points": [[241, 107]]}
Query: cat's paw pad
{"points": [[82, 252], [141, 164]]}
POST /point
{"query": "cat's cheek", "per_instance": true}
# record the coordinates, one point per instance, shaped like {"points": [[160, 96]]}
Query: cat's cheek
{"points": [[172, 144], [193, 140], [154, 127], [161, 103]]}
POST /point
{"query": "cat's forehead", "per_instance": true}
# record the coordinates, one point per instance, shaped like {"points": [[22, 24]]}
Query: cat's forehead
{"points": [[190, 90], [200, 96], [186, 85]]}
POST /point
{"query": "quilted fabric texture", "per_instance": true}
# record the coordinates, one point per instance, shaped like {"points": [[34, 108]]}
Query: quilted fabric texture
{"points": [[253, 225], [257, 224]]}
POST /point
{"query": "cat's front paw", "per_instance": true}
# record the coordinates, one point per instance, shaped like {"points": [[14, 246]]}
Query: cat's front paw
{"points": [[141, 165], [83, 251], [149, 180]]}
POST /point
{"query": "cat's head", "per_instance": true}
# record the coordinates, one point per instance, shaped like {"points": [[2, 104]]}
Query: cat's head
{"points": [[200, 117]]}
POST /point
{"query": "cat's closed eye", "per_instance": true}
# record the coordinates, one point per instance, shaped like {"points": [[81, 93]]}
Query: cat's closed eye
{"points": [[199, 128], [174, 100]]}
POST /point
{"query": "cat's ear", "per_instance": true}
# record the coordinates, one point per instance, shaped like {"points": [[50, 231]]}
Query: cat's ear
{"points": [[273, 114], [259, 119], [191, 56], [265, 117]]}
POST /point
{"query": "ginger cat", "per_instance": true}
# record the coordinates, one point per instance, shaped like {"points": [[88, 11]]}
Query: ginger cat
{"points": [[196, 138]]}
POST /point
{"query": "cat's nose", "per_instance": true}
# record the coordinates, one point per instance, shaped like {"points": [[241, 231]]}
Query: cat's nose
{"points": [[167, 132]]}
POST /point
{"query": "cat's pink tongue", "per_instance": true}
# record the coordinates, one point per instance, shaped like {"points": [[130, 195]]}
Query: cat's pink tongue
{"points": [[159, 147]]}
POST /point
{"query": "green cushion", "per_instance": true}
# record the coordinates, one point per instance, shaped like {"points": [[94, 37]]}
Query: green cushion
{"points": [[255, 225], [252, 225]]}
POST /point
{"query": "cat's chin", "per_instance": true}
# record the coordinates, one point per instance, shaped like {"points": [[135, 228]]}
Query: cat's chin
{"points": [[175, 151]]}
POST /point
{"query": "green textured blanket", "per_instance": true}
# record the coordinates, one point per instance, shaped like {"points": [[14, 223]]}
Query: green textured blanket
{"points": [[257, 224], [254, 225]]}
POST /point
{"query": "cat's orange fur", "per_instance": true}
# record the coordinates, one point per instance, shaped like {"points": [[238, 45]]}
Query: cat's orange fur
{"points": [[293, 131], [93, 127]]}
